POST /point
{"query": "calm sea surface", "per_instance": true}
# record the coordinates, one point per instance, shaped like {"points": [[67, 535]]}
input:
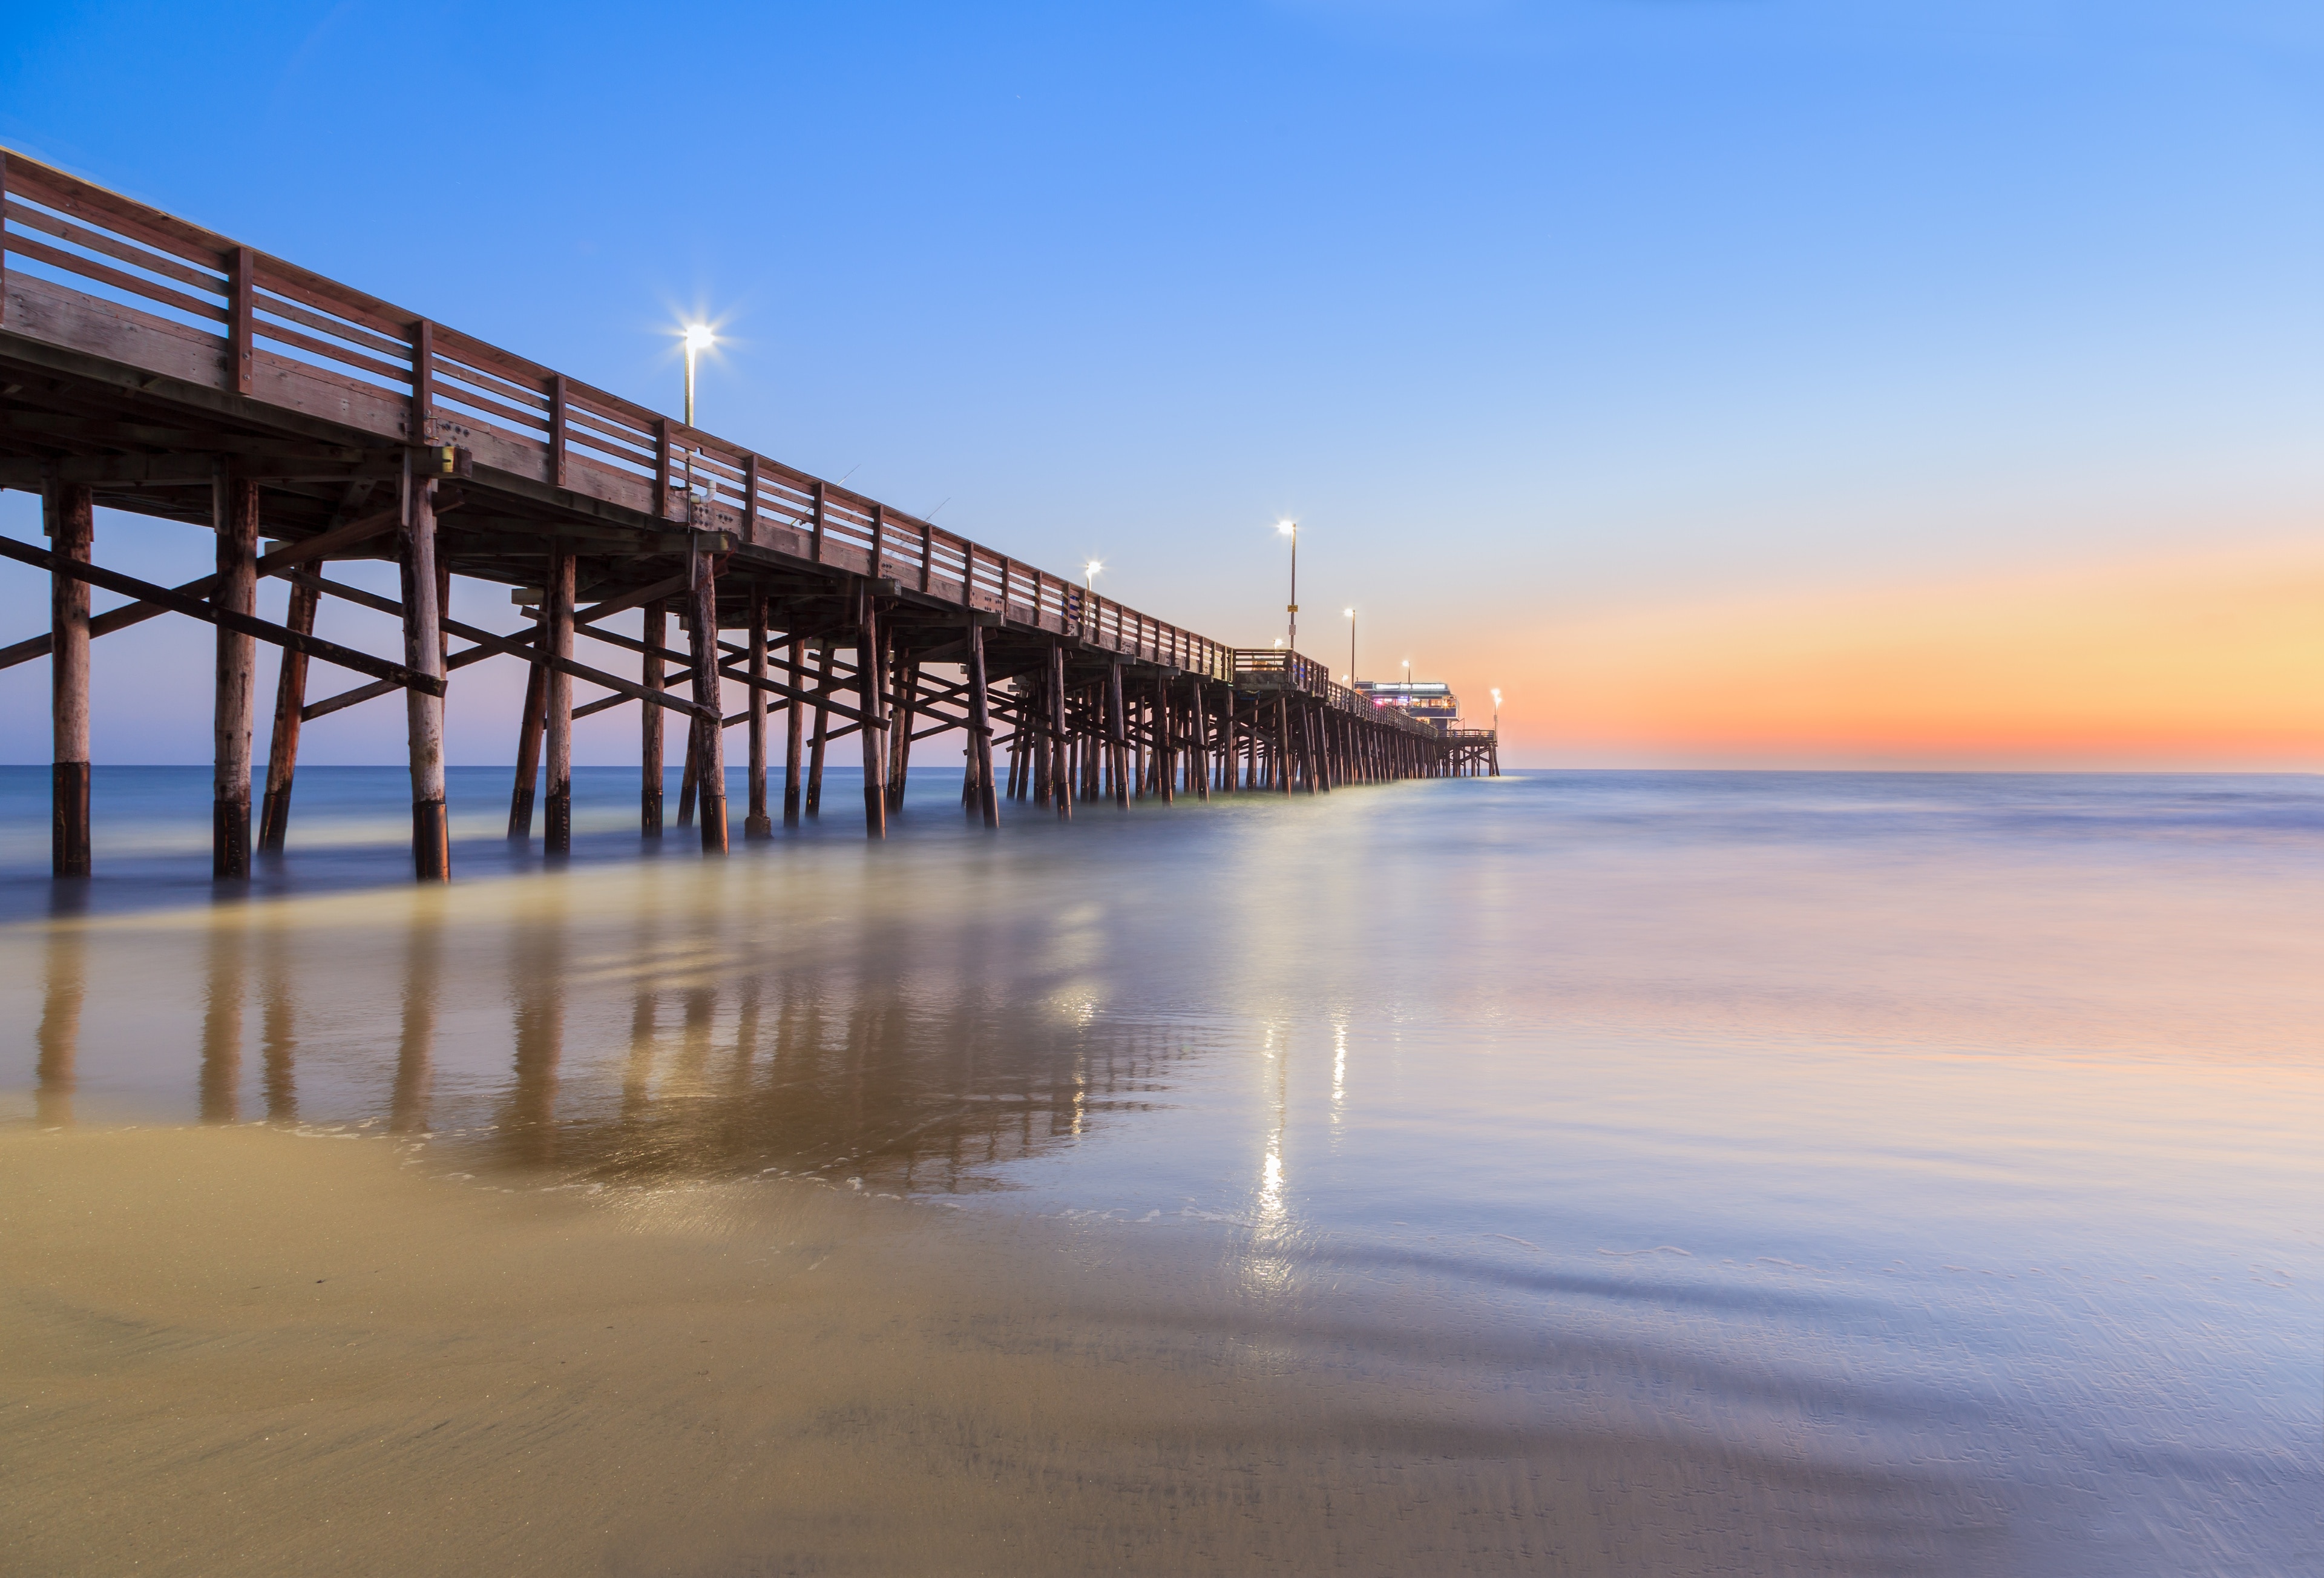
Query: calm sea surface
{"points": [[1961, 1126]]}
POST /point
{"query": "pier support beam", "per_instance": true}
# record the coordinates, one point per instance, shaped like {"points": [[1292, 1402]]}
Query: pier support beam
{"points": [[236, 592], [649, 764], [557, 617], [283, 745], [794, 720], [899, 736], [423, 654], [1061, 764], [870, 658], [756, 823], [710, 738], [822, 730], [71, 522], [1117, 732], [528, 743], [980, 729]]}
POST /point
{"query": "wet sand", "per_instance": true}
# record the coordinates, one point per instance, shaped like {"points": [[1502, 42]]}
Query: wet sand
{"points": [[240, 1350]]}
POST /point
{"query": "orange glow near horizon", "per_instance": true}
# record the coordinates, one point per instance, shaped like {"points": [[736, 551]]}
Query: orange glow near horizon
{"points": [[2212, 662]]}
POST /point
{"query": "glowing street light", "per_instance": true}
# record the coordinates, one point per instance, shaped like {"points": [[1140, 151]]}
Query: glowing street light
{"points": [[1407, 675], [1090, 572], [1291, 528], [698, 340]]}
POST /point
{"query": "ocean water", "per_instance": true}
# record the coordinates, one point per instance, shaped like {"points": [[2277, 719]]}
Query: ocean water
{"points": [[1957, 1128]]}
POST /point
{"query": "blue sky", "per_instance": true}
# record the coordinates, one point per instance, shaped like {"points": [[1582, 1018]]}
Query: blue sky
{"points": [[1529, 311]]}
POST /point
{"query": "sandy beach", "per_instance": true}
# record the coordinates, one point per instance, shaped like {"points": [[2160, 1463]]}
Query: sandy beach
{"points": [[244, 1350]]}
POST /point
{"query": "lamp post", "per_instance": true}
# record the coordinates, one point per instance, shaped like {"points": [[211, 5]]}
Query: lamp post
{"points": [[1407, 680], [1291, 528], [1351, 644], [698, 339], [1497, 712], [1089, 574]]}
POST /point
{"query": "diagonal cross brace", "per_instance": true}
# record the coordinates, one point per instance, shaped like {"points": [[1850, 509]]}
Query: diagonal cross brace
{"points": [[391, 676]]}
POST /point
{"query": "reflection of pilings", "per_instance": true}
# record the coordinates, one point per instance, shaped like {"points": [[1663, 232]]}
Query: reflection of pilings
{"points": [[278, 1036], [60, 1032], [415, 1054], [694, 1051], [636, 1070], [746, 1035], [221, 1077], [539, 989]]}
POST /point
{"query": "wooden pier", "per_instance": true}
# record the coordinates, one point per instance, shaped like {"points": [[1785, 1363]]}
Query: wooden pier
{"points": [[150, 365]]}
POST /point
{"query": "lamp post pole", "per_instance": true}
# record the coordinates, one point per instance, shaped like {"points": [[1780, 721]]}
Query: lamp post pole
{"points": [[1291, 530], [1351, 649]]}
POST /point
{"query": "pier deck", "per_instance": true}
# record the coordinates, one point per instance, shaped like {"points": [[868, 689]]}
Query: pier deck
{"points": [[150, 365]]}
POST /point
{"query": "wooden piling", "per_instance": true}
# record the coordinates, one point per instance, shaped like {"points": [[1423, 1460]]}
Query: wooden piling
{"points": [[423, 654], [822, 729], [1117, 735], [1061, 767], [556, 622], [236, 591], [794, 719], [710, 749], [903, 716], [980, 728], [650, 770], [871, 654], [1199, 764], [282, 745], [529, 728], [70, 511], [756, 823]]}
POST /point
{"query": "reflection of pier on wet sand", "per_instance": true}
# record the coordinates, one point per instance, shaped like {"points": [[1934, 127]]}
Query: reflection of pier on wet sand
{"points": [[655, 1047]]}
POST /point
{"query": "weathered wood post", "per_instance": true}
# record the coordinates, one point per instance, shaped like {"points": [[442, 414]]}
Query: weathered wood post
{"points": [[1165, 742], [236, 515], [1033, 703], [529, 731], [1118, 735], [282, 745], [556, 622], [899, 752], [1199, 767], [1283, 742], [71, 520], [980, 728], [822, 729], [756, 823], [1061, 766], [870, 657], [709, 733], [423, 654], [655, 636], [794, 720]]}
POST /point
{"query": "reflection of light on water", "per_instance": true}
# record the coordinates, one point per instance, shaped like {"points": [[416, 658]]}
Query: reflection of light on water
{"points": [[1339, 1071]]}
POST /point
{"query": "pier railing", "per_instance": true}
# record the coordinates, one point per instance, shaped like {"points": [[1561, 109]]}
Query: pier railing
{"points": [[86, 270], [1273, 666]]}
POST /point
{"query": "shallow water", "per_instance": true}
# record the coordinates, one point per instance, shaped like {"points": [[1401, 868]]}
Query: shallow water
{"points": [[1958, 1129]]}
